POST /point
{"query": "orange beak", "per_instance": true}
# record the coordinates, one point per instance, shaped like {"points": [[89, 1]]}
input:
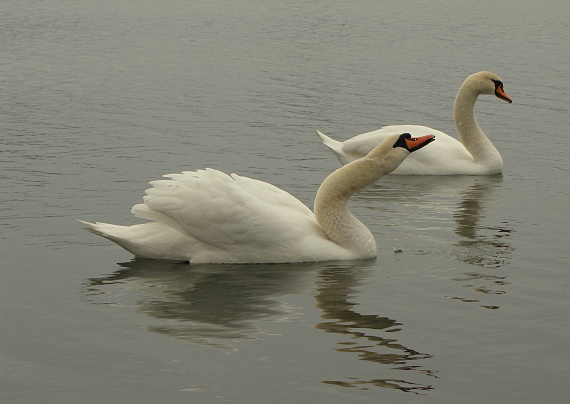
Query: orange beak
{"points": [[500, 93], [415, 143]]}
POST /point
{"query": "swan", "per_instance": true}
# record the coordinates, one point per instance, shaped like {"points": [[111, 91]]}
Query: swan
{"points": [[207, 216], [474, 154]]}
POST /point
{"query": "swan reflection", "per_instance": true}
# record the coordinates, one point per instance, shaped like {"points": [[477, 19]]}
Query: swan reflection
{"points": [[484, 245], [370, 337], [221, 305], [205, 304], [439, 205]]}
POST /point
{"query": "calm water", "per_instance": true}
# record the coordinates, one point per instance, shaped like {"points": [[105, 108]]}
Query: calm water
{"points": [[99, 97]]}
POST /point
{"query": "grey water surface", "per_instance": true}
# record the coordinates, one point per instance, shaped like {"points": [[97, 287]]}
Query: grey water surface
{"points": [[468, 299]]}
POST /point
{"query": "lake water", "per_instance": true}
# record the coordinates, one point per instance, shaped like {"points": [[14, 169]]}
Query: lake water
{"points": [[467, 301]]}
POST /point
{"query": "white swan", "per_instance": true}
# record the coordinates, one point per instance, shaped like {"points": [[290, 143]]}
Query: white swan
{"points": [[207, 216], [473, 155]]}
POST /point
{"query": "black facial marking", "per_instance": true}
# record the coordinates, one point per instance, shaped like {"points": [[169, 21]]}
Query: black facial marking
{"points": [[498, 83], [401, 142]]}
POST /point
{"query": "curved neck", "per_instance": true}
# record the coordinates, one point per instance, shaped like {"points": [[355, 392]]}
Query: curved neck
{"points": [[470, 133], [331, 209]]}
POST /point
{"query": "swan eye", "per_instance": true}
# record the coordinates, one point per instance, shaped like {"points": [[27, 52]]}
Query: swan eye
{"points": [[500, 91], [498, 85]]}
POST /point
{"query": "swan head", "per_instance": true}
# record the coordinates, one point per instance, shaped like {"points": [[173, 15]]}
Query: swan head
{"points": [[411, 144], [489, 83], [394, 149]]}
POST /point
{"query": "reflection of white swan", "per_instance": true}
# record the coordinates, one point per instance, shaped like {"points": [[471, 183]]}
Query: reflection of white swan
{"points": [[210, 305], [473, 155], [209, 217], [370, 337]]}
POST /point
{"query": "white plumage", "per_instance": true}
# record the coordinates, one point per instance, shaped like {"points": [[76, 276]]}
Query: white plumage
{"points": [[473, 154], [207, 216]]}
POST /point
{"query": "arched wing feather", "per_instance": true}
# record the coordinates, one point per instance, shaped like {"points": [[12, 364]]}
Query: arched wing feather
{"points": [[222, 210]]}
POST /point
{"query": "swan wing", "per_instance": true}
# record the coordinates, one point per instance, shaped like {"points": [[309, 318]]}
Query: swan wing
{"points": [[226, 211]]}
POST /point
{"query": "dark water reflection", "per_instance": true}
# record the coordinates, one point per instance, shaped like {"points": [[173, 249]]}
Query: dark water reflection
{"points": [[484, 245], [214, 305], [369, 336], [462, 205], [205, 304]]}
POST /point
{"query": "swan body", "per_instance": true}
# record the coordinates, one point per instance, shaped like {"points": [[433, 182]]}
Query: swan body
{"points": [[472, 154], [207, 216]]}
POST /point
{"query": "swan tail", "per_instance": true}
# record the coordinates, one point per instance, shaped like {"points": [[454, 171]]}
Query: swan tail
{"points": [[332, 144], [123, 236], [109, 231], [91, 227], [115, 233], [146, 240], [337, 148]]}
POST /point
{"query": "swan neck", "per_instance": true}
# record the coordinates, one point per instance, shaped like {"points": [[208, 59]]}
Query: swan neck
{"points": [[469, 131], [331, 209]]}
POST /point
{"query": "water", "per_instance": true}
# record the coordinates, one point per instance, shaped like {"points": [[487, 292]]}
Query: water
{"points": [[100, 97]]}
